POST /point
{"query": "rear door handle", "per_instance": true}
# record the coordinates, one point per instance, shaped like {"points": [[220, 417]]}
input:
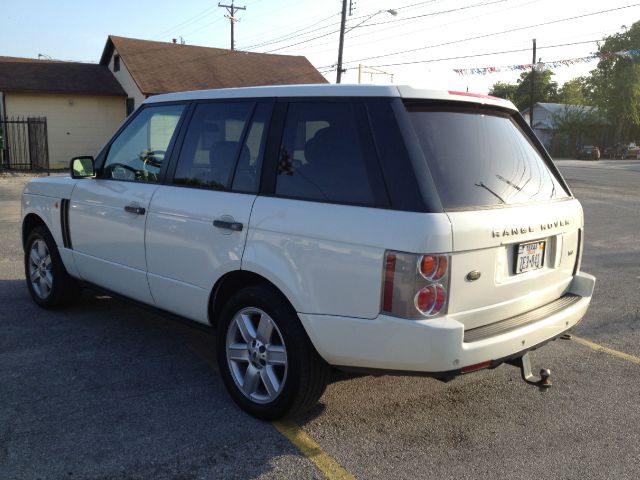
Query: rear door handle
{"points": [[235, 226], [134, 209]]}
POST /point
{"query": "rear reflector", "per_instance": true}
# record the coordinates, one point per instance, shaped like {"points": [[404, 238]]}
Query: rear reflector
{"points": [[389, 273], [477, 366]]}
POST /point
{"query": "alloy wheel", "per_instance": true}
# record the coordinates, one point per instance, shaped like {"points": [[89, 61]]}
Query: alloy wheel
{"points": [[256, 355]]}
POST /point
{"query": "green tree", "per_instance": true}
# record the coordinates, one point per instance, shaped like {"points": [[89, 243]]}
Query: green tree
{"points": [[504, 90], [616, 84], [574, 123], [576, 91], [545, 89]]}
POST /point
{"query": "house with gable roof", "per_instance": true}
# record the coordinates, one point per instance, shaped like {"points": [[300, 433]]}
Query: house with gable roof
{"points": [[146, 68], [84, 103]]}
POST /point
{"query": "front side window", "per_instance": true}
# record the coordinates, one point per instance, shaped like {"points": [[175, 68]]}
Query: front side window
{"points": [[481, 158], [212, 145], [137, 154], [327, 154]]}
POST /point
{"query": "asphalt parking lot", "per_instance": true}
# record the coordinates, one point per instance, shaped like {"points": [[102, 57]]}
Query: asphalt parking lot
{"points": [[106, 390]]}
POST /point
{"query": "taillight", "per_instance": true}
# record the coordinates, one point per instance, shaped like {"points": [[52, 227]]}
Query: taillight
{"points": [[433, 267], [415, 286], [430, 299]]}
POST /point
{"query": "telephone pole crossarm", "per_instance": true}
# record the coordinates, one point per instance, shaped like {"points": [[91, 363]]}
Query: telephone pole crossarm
{"points": [[232, 9]]}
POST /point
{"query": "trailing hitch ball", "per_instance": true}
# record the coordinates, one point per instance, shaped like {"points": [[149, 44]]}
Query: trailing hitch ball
{"points": [[524, 364]]}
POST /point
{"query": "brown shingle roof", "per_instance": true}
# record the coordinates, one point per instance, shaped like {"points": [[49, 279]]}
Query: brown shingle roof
{"points": [[46, 76], [160, 67]]}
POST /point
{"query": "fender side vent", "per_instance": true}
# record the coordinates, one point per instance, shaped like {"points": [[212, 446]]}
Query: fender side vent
{"points": [[64, 223]]}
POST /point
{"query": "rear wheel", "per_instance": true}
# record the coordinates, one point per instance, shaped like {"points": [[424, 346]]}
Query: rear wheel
{"points": [[266, 360], [48, 282]]}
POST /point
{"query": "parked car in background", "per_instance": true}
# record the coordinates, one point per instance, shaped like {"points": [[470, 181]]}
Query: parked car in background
{"points": [[357, 227], [631, 151], [589, 152]]}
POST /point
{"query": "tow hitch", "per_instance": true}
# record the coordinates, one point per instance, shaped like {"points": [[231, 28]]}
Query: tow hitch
{"points": [[524, 364]]}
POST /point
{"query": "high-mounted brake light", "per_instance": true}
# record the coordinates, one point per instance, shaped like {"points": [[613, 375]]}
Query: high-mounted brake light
{"points": [[415, 286], [476, 95]]}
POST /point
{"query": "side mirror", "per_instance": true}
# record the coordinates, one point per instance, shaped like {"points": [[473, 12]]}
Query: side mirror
{"points": [[82, 167]]}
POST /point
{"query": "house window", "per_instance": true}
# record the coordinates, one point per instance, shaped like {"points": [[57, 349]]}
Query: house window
{"points": [[131, 106], [116, 63]]}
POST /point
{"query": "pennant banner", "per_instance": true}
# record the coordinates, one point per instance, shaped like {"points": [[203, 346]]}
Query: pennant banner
{"points": [[554, 64]]}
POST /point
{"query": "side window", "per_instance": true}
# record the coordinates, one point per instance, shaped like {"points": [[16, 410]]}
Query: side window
{"points": [[247, 174], [212, 144], [138, 152], [327, 154]]}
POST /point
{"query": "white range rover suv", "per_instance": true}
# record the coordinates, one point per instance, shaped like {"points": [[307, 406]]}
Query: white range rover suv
{"points": [[371, 228]]}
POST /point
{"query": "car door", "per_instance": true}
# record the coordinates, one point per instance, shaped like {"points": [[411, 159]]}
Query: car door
{"points": [[197, 223], [108, 213]]}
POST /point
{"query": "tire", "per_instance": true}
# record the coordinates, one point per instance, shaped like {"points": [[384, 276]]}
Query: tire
{"points": [[47, 279], [266, 359]]}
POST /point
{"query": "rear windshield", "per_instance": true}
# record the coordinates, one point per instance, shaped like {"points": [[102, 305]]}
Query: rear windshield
{"points": [[481, 158]]}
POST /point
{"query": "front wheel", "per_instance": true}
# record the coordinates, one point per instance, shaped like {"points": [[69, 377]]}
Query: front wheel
{"points": [[49, 283], [266, 360]]}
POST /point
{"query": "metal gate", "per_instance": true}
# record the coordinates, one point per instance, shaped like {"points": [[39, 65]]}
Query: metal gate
{"points": [[24, 144]]}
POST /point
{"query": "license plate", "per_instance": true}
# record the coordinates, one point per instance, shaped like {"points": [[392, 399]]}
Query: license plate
{"points": [[530, 256]]}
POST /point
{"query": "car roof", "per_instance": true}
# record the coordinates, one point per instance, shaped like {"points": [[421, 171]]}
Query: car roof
{"points": [[327, 90]]}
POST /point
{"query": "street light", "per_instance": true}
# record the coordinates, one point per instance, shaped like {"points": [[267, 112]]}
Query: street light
{"points": [[342, 32]]}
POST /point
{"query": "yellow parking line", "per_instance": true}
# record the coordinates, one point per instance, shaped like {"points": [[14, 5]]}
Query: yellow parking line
{"points": [[310, 449], [331, 469], [610, 351]]}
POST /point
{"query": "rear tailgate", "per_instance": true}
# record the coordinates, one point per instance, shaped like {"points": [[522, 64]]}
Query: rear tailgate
{"points": [[515, 225], [487, 241]]}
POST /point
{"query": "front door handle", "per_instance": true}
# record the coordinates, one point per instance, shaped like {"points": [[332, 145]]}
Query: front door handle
{"points": [[235, 226], [134, 209]]}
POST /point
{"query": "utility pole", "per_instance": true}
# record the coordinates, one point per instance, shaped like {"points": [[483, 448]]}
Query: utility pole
{"points": [[533, 77], [232, 9], [342, 25]]}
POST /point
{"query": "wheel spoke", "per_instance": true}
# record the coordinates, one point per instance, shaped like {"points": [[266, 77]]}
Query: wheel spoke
{"points": [[34, 257], [42, 248], [265, 328], [276, 355], [48, 280], [246, 328], [238, 352], [270, 381], [35, 276], [251, 380], [47, 262]]}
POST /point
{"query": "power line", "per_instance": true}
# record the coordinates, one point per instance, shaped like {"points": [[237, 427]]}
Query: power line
{"points": [[391, 21], [435, 13], [289, 35], [494, 33], [439, 26], [183, 24], [292, 34], [483, 54]]}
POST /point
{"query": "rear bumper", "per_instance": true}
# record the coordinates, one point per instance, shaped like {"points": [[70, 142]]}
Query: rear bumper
{"points": [[438, 345]]}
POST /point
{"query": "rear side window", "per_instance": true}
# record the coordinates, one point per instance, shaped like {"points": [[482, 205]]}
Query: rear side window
{"points": [[481, 158], [327, 154], [212, 145]]}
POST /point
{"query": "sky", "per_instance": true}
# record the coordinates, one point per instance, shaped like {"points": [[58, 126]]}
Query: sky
{"points": [[420, 45]]}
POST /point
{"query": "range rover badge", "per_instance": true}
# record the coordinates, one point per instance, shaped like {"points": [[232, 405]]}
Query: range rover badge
{"points": [[473, 275]]}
